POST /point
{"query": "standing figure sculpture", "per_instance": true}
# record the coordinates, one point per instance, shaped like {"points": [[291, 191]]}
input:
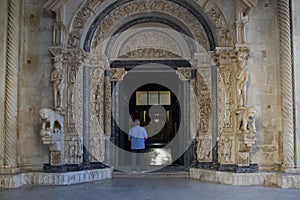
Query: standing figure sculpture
{"points": [[241, 80], [58, 84]]}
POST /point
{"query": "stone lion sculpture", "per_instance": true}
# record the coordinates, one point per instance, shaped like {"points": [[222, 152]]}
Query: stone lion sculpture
{"points": [[50, 116], [246, 119]]}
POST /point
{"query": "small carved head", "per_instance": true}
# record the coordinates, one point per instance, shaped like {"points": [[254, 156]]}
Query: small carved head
{"points": [[44, 113], [251, 113]]}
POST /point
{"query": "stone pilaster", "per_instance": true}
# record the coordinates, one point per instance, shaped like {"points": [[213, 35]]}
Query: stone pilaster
{"points": [[11, 91], [286, 85], [3, 35]]}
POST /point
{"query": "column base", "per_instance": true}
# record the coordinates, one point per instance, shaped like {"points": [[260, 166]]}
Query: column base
{"points": [[228, 168], [239, 169], [208, 165], [73, 167]]}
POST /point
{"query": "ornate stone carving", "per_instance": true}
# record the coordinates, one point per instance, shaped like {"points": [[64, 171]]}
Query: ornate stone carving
{"points": [[217, 17], [225, 56], [57, 78], [107, 103], [135, 7], [50, 117], [185, 73], [242, 76], [53, 135], [74, 56], [225, 150], [78, 24], [246, 120], [97, 95], [75, 152], [148, 53], [204, 148], [117, 74]]}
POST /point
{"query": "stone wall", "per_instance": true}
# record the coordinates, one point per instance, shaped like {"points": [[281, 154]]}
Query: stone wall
{"points": [[264, 82], [35, 90]]}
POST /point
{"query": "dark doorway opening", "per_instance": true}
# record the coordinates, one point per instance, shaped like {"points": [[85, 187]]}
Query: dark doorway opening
{"points": [[158, 110]]}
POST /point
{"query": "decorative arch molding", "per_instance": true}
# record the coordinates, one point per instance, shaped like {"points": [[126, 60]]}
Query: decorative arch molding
{"points": [[90, 14], [121, 10]]}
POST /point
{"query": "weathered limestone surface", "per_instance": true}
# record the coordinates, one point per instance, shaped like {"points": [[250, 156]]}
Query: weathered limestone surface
{"points": [[35, 83], [263, 84]]}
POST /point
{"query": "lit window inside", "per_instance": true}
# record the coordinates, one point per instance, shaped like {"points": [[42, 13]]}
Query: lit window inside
{"points": [[144, 98]]}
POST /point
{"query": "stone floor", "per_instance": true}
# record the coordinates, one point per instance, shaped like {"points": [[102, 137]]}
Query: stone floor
{"points": [[148, 189]]}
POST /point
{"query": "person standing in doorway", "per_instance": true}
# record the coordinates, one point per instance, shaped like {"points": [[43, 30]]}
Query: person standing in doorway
{"points": [[137, 136]]}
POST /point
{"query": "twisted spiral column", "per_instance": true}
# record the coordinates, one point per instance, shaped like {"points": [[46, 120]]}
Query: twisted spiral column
{"points": [[286, 84], [11, 98]]}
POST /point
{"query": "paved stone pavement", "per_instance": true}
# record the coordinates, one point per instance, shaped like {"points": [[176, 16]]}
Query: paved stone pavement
{"points": [[149, 189]]}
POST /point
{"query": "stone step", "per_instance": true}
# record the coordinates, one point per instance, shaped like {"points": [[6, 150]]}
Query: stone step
{"points": [[177, 174]]}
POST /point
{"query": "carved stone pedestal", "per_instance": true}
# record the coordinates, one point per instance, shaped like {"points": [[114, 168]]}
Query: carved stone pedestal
{"points": [[55, 140]]}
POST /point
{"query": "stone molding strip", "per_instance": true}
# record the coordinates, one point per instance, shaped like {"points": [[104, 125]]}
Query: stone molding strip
{"points": [[42, 178], [277, 179], [288, 160]]}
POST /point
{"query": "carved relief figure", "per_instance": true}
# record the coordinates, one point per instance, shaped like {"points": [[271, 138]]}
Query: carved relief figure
{"points": [[49, 116], [58, 83], [72, 150], [225, 150], [241, 80], [204, 149]]}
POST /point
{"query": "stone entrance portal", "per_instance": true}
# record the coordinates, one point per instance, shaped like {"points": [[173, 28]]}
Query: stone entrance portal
{"points": [[106, 44]]}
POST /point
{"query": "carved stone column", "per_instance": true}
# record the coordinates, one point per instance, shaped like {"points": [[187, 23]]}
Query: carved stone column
{"points": [[286, 85], [226, 59], [86, 113], [3, 40], [107, 103], [11, 99]]}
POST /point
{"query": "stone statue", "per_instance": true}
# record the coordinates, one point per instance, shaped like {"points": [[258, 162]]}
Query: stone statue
{"points": [[52, 135], [241, 80], [57, 79], [246, 120], [50, 116]]}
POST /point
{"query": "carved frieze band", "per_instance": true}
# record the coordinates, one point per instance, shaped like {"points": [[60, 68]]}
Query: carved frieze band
{"points": [[286, 84], [11, 100]]}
